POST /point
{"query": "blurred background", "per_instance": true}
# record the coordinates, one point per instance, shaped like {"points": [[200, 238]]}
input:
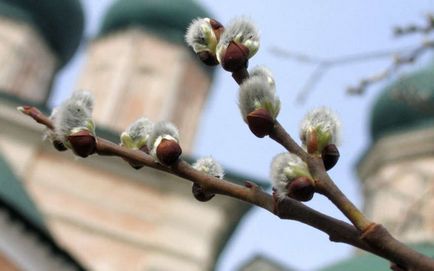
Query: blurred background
{"points": [[316, 51]]}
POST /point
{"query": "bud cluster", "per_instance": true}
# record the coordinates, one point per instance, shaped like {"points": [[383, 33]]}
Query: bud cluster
{"points": [[231, 46]]}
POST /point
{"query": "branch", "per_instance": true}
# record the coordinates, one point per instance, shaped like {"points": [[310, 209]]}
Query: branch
{"points": [[375, 234], [337, 230]]}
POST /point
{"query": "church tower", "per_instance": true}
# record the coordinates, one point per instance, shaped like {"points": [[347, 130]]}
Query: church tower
{"points": [[37, 39], [139, 65], [397, 172]]}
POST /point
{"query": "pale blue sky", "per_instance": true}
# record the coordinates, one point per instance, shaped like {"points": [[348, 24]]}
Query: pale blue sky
{"points": [[322, 28]]}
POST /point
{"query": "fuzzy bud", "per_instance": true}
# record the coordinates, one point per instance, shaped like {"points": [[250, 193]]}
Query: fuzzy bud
{"points": [[238, 43], [135, 137], [265, 73], [208, 166], [319, 128], [291, 177], [203, 35], [259, 105], [163, 143], [73, 124]]}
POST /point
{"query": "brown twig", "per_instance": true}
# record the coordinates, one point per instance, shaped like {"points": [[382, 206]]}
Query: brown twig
{"points": [[338, 231], [375, 234]]}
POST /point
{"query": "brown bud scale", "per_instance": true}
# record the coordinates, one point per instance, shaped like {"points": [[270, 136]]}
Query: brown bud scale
{"points": [[236, 57], [301, 188], [200, 194], [83, 143], [330, 156], [168, 151], [208, 58], [260, 122]]}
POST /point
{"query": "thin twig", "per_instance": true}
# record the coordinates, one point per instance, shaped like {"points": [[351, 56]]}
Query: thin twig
{"points": [[400, 57]]}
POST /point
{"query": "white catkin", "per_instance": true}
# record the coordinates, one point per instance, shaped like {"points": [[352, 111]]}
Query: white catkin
{"points": [[256, 91], [240, 29], [209, 166], [281, 171], [324, 119], [265, 73], [195, 34], [141, 128], [84, 98], [162, 129], [73, 113]]}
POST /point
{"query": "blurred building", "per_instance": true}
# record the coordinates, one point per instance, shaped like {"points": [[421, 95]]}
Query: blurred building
{"points": [[99, 213]]}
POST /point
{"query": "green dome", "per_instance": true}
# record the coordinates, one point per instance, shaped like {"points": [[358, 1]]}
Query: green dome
{"points": [[61, 23], [406, 104], [166, 18], [373, 263]]}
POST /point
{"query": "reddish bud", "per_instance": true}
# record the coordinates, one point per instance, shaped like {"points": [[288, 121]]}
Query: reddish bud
{"points": [[208, 58], [301, 188], [260, 122], [200, 194], [236, 57], [58, 145], [217, 28], [83, 143], [330, 156], [312, 142], [168, 151]]}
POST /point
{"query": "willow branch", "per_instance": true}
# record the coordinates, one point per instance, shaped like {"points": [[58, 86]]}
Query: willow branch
{"points": [[376, 235], [337, 230]]}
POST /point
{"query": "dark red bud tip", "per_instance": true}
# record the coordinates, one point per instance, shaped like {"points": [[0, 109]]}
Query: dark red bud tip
{"points": [[168, 151], [208, 58], [200, 194], [58, 145], [330, 156], [236, 57], [302, 189], [217, 27], [83, 143], [260, 122]]}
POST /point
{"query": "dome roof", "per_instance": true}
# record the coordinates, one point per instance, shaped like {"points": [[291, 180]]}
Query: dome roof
{"points": [[61, 23], [165, 18], [406, 104]]}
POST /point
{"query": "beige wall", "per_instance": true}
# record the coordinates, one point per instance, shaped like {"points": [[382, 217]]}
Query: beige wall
{"points": [[133, 73], [28, 64], [398, 180]]}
